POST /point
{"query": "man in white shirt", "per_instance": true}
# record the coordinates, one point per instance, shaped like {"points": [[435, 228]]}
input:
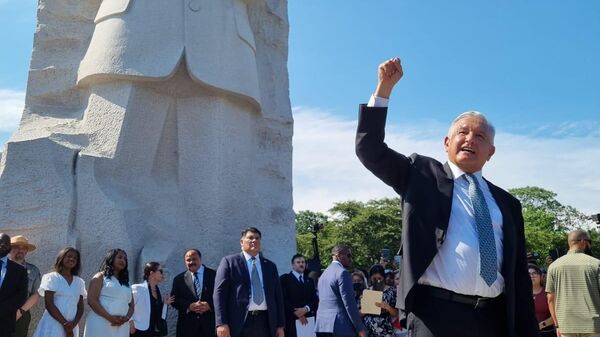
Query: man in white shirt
{"points": [[464, 270]]}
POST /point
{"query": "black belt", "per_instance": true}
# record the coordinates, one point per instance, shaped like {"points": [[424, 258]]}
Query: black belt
{"points": [[256, 312], [474, 301]]}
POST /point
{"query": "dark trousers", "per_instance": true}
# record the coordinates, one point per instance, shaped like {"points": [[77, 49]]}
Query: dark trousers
{"points": [[256, 325], [22, 326], [437, 317]]}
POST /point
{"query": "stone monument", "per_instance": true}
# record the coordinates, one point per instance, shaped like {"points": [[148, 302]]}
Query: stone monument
{"points": [[153, 126]]}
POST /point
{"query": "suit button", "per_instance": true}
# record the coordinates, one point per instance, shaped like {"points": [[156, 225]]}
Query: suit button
{"points": [[194, 5]]}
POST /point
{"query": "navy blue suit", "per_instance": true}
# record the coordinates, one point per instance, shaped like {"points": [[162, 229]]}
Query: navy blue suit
{"points": [[233, 290], [13, 293], [338, 311]]}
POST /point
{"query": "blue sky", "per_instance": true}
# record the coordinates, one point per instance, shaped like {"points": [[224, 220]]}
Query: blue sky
{"points": [[531, 66]]}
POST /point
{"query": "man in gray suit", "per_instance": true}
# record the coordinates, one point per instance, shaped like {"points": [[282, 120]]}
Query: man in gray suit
{"points": [[338, 313]]}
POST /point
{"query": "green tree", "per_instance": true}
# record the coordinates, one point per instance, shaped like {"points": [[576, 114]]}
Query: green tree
{"points": [[547, 221]]}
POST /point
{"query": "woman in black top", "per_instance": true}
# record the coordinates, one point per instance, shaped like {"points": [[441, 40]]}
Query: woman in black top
{"points": [[149, 306]]}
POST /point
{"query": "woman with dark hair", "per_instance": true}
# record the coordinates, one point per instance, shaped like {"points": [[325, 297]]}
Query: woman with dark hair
{"points": [[542, 313], [110, 298], [381, 325], [63, 293], [150, 308]]}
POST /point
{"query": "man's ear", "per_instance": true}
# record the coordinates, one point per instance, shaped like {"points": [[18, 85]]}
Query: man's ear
{"points": [[446, 143], [492, 151]]}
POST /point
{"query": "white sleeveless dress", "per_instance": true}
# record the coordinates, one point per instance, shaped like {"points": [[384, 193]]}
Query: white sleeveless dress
{"points": [[66, 297], [115, 299]]}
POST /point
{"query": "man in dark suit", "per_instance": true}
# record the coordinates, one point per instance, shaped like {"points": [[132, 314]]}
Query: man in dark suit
{"points": [[248, 298], [338, 311], [299, 295], [464, 270], [193, 290], [13, 288]]}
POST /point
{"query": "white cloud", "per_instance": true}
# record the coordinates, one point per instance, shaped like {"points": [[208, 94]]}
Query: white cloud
{"points": [[11, 108], [326, 169]]}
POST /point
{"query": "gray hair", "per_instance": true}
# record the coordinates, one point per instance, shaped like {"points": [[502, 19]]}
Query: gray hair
{"points": [[474, 114]]}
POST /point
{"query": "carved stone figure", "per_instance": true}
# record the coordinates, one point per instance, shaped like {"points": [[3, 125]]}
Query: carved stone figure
{"points": [[153, 126]]}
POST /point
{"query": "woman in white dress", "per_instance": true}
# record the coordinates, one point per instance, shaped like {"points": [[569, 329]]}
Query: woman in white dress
{"points": [[63, 293], [109, 296]]}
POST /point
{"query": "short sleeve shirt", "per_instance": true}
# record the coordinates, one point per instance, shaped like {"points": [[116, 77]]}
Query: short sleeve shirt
{"points": [[575, 281]]}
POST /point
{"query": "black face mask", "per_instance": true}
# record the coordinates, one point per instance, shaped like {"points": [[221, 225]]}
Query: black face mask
{"points": [[358, 286]]}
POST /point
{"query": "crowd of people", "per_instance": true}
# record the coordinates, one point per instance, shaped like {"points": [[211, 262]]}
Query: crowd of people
{"points": [[245, 296]]}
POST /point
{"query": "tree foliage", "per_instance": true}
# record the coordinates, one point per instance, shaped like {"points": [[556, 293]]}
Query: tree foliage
{"points": [[368, 227]]}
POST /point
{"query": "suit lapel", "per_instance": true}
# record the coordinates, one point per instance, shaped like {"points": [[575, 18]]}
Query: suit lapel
{"points": [[266, 280], [446, 188], [508, 229], [189, 282], [244, 268]]}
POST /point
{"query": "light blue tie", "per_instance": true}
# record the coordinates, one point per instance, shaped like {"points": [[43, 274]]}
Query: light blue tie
{"points": [[257, 289], [485, 231]]}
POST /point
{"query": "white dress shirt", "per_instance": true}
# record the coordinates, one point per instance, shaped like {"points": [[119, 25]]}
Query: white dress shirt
{"points": [[253, 306], [456, 265]]}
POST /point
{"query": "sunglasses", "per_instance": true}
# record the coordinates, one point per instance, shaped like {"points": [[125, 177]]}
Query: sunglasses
{"points": [[159, 271]]}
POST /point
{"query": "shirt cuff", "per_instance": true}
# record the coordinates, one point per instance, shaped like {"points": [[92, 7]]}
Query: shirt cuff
{"points": [[378, 102]]}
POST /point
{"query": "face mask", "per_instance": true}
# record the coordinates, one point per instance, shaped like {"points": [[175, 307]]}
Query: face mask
{"points": [[588, 250], [358, 286]]}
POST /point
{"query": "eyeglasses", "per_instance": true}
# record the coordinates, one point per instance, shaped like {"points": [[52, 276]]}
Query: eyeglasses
{"points": [[534, 274], [159, 271]]}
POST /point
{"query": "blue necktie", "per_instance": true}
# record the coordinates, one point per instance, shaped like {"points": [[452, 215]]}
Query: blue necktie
{"points": [[485, 231], [197, 285], [257, 289]]}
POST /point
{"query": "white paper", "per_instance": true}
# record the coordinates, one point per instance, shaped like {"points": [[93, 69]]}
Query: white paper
{"points": [[307, 330]]}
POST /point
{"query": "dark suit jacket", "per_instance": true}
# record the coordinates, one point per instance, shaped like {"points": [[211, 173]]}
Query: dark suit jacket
{"points": [[13, 294], [338, 311], [232, 293], [190, 324], [297, 295], [426, 186]]}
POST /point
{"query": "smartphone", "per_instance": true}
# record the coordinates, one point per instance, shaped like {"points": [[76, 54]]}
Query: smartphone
{"points": [[385, 254]]}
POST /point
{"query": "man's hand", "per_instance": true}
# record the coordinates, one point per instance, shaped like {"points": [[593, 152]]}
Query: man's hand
{"points": [[279, 332], [223, 331], [194, 307], [203, 307], [362, 333], [558, 333], [303, 320], [388, 74], [300, 312], [18, 314]]}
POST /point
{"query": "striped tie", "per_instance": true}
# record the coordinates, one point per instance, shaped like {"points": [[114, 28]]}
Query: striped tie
{"points": [[197, 285], [485, 231]]}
